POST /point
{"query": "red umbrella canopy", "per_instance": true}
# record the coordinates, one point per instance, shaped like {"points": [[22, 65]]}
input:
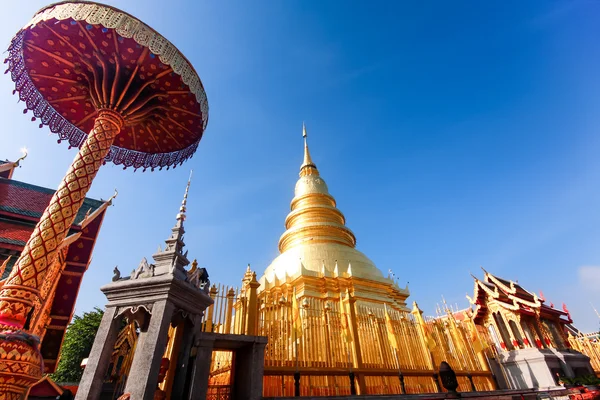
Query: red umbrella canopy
{"points": [[75, 58]]}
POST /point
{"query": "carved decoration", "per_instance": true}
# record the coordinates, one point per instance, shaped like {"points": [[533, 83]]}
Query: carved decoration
{"points": [[117, 274], [21, 364], [144, 270]]}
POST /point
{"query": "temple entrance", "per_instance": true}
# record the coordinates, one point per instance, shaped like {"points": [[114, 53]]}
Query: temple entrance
{"points": [[220, 381]]}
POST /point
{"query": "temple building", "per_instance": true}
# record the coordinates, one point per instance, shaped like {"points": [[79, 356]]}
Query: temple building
{"points": [[529, 335], [21, 206]]}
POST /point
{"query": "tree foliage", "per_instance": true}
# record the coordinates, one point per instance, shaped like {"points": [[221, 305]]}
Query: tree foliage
{"points": [[77, 345]]}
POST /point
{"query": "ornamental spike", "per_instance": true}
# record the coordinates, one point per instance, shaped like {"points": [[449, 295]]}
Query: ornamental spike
{"points": [[182, 210]]}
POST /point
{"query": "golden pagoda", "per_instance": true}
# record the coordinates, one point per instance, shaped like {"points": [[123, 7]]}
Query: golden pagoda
{"points": [[331, 315], [318, 244]]}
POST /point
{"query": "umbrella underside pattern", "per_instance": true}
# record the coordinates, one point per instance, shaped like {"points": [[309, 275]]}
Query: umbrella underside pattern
{"points": [[66, 70]]}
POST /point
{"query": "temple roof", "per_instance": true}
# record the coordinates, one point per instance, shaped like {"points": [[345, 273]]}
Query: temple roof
{"points": [[27, 200], [510, 295]]}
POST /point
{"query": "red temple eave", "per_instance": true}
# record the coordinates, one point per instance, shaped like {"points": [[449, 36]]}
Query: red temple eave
{"points": [[526, 310], [552, 311], [21, 206], [67, 289], [45, 387], [479, 302]]}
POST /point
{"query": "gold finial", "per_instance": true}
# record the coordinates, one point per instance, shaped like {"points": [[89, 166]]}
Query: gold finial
{"points": [[24, 152], [111, 198], [307, 160], [181, 216]]}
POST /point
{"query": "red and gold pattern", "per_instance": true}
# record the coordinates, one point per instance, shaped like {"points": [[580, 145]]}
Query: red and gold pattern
{"points": [[22, 285], [21, 364]]}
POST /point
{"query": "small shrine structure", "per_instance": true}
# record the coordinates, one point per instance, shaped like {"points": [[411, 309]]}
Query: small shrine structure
{"points": [[530, 336], [155, 297]]}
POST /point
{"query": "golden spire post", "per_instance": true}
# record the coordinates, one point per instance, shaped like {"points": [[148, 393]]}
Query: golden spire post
{"points": [[297, 328], [394, 343], [347, 340]]}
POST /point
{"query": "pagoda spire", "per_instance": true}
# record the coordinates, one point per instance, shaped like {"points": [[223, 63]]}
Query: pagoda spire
{"points": [[314, 217], [308, 167], [172, 259], [182, 210]]}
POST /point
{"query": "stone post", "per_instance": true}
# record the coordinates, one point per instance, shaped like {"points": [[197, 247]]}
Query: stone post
{"points": [[201, 372], [93, 375], [249, 368], [143, 378]]}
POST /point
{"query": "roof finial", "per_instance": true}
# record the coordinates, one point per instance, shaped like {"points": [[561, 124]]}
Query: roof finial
{"points": [[181, 216], [24, 156], [308, 162]]}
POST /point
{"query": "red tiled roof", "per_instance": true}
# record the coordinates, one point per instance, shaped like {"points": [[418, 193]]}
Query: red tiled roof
{"points": [[13, 232], [30, 201]]}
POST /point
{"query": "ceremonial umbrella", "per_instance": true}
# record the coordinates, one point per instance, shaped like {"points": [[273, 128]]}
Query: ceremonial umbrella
{"points": [[114, 88]]}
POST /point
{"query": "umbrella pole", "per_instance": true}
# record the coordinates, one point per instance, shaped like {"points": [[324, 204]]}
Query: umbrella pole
{"points": [[21, 288]]}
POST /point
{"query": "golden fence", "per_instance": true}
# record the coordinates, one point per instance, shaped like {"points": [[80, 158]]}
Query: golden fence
{"points": [[590, 346], [327, 349]]}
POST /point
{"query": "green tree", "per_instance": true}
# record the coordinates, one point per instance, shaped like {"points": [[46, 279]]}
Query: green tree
{"points": [[77, 346]]}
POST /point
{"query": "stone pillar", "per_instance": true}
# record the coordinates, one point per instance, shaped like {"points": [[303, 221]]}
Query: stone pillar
{"points": [[93, 375], [201, 372], [143, 377], [248, 373]]}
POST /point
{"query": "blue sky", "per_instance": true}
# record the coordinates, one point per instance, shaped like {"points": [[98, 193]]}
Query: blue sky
{"points": [[453, 135]]}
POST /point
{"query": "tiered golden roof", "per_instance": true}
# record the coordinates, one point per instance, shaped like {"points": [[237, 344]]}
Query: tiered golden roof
{"points": [[317, 241]]}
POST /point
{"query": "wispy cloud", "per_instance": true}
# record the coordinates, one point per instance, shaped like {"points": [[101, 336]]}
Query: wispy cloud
{"points": [[589, 277]]}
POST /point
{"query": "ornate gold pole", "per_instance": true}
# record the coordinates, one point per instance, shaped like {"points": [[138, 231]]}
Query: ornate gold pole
{"points": [[23, 364], [211, 310], [362, 388], [230, 296], [252, 315], [22, 285]]}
